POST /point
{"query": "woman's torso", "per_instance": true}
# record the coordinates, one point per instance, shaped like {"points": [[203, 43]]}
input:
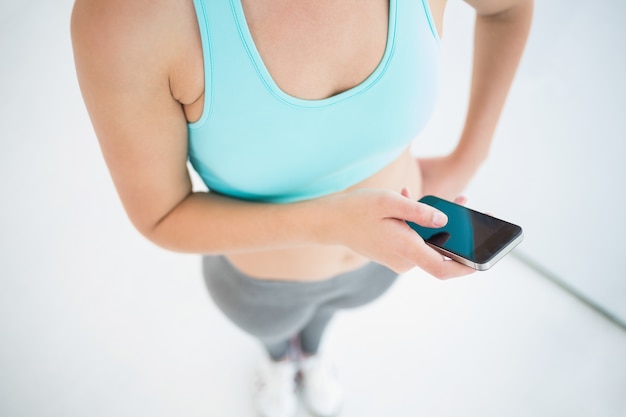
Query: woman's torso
{"points": [[347, 40]]}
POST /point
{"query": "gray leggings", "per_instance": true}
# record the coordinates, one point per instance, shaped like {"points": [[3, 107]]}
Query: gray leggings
{"points": [[276, 311]]}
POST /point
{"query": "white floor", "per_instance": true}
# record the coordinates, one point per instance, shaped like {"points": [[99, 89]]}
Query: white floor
{"points": [[95, 321]]}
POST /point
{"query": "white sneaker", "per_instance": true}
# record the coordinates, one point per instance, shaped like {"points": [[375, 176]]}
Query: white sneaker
{"points": [[276, 389], [321, 390]]}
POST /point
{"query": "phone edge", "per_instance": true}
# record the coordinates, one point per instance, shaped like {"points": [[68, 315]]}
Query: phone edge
{"points": [[486, 265]]}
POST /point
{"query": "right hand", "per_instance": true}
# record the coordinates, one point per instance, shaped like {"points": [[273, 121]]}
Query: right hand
{"points": [[372, 223]]}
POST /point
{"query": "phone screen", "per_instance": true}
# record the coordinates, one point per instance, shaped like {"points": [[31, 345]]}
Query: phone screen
{"points": [[469, 234]]}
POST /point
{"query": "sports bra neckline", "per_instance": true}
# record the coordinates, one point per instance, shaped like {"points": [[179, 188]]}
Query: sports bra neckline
{"points": [[280, 94]]}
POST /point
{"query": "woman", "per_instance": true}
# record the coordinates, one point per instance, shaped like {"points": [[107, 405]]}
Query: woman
{"points": [[298, 116]]}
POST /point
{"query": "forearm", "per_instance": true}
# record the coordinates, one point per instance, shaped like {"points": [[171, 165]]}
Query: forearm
{"points": [[371, 222], [209, 223], [499, 41]]}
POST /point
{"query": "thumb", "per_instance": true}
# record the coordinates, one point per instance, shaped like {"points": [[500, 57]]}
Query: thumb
{"points": [[416, 212]]}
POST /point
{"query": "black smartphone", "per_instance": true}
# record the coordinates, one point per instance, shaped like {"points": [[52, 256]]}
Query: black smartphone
{"points": [[472, 238]]}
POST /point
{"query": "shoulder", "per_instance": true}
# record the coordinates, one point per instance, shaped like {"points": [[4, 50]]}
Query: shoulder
{"points": [[116, 23], [139, 35]]}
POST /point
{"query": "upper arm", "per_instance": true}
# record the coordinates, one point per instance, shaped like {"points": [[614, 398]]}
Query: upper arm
{"points": [[495, 7], [122, 60]]}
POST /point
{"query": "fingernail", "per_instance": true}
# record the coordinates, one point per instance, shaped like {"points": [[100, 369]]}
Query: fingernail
{"points": [[439, 219]]}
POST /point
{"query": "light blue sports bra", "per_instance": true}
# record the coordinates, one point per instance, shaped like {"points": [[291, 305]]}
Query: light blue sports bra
{"points": [[255, 142]]}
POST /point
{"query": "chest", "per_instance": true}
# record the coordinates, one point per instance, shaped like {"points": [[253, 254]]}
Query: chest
{"points": [[316, 49], [259, 140], [312, 49]]}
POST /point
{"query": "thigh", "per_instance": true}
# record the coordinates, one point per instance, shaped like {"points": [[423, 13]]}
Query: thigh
{"points": [[274, 309], [361, 286], [269, 310]]}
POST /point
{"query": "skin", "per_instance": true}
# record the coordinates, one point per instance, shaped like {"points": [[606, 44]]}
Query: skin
{"points": [[140, 68]]}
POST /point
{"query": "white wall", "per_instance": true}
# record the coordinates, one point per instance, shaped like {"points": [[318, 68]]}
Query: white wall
{"points": [[558, 164]]}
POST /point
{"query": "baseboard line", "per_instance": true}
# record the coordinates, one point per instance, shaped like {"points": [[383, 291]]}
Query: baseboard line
{"points": [[590, 303]]}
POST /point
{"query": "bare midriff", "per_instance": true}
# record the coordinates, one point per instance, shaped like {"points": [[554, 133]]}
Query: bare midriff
{"points": [[315, 263]]}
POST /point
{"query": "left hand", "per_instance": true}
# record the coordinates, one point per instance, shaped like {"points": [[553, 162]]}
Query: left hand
{"points": [[444, 176]]}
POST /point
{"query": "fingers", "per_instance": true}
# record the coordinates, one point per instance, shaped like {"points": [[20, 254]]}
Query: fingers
{"points": [[404, 248], [417, 253], [445, 268], [403, 208], [462, 200]]}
